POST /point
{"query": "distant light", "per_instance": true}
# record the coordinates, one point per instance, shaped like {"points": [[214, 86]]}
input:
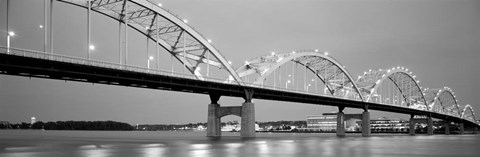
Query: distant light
{"points": [[247, 63], [273, 53], [147, 28], [91, 47], [209, 41], [326, 53], [150, 57], [185, 21], [41, 26], [288, 81], [230, 62], [11, 33], [159, 4], [316, 50], [294, 52], [198, 69]]}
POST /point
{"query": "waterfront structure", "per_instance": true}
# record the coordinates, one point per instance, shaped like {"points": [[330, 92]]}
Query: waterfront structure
{"points": [[194, 52]]}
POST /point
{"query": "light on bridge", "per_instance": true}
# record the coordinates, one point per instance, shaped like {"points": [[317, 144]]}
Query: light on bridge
{"points": [[11, 33], [316, 50], [40, 26], [91, 47], [185, 21], [273, 53], [159, 4], [326, 53], [209, 41], [150, 57], [230, 62]]}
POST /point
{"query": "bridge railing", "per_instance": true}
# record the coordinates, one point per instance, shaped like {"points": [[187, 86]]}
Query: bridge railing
{"points": [[98, 63]]}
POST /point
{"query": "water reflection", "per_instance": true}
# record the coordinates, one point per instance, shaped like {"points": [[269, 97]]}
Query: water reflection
{"points": [[156, 144]]}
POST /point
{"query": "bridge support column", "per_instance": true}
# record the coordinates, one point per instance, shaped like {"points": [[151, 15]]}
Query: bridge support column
{"points": [[366, 123], [462, 129], [429, 125], [447, 127], [411, 130], [475, 130], [213, 121], [248, 116], [340, 122]]}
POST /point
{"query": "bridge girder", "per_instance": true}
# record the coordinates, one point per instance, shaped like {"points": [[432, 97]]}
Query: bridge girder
{"points": [[157, 23], [326, 68], [408, 86]]}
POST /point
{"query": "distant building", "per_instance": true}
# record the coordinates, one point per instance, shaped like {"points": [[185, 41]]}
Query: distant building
{"points": [[387, 125], [326, 122], [33, 120]]}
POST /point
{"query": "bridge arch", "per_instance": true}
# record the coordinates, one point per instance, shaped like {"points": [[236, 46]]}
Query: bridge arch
{"points": [[442, 101], [405, 82], [467, 113], [188, 46], [326, 68]]}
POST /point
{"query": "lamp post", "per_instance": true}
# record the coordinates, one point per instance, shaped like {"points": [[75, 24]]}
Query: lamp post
{"points": [[148, 63], [10, 34], [308, 86], [286, 84]]}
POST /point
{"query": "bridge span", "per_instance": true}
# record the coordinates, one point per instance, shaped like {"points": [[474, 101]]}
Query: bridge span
{"points": [[303, 72]]}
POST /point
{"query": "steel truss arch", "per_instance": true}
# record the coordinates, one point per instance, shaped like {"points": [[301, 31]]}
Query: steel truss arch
{"points": [[408, 86], [470, 117], [174, 34], [326, 68], [442, 101]]}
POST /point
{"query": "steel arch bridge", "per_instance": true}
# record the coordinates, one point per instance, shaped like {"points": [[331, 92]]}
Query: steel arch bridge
{"points": [[335, 77], [188, 46], [193, 51], [409, 88]]}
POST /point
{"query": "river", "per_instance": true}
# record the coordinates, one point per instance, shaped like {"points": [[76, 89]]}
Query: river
{"points": [[18, 143]]}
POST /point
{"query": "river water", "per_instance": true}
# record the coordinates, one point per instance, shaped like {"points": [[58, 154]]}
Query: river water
{"points": [[18, 143]]}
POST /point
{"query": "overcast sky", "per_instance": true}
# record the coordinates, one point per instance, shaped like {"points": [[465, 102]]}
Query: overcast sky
{"points": [[439, 40]]}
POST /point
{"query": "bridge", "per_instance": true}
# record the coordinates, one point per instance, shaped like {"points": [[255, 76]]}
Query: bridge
{"points": [[303, 76]]}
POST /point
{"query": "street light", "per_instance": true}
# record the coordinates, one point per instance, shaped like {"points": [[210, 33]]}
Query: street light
{"points": [[286, 84], [10, 34], [308, 86], [148, 62]]}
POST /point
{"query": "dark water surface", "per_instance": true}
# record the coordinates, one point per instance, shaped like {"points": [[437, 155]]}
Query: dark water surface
{"points": [[15, 143]]}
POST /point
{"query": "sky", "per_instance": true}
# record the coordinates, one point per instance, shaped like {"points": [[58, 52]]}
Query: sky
{"points": [[439, 40]]}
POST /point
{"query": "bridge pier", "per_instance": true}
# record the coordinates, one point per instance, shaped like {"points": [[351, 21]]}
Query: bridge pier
{"points": [[429, 125], [216, 112], [447, 127], [248, 115], [475, 130], [213, 121], [412, 125], [366, 123], [461, 128], [340, 122]]}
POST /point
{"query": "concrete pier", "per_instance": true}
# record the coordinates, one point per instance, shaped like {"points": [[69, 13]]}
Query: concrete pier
{"points": [[461, 128], [447, 127], [340, 122], [475, 130], [429, 125], [412, 125], [248, 120], [246, 112], [366, 123], [213, 122]]}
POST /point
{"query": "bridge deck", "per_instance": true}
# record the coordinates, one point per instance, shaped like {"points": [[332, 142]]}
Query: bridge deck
{"points": [[51, 69]]}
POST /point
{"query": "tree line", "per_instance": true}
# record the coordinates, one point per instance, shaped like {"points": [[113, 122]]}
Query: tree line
{"points": [[71, 125]]}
